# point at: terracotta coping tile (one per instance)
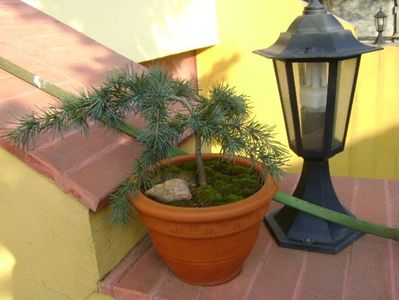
(36, 44)
(4, 74)
(88, 168)
(14, 34)
(18, 105)
(55, 159)
(12, 87)
(99, 176)
(13, 8)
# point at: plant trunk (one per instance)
(198, 159)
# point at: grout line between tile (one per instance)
(143, 246)
(347, 274)
(28, 25)
(94, 157)
(258, 268)
(137, 252)
(51, 67)
(392, 269)
(354, 203)
(158, 286)
(46, 35)
(355, 197)
(30, 91)
(389, 205)
(299, 282)
(202, 291)
(54, 139)
(34, 90)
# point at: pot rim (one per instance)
(200, 214)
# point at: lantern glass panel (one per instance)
(345, 85)
(280, 68)
(380, 23)
(311, 82)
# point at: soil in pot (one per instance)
(227, 182)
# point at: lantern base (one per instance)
(299, 230)
(380, 40)
(333, 247)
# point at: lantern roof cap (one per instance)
(380, 14)
(315, 35)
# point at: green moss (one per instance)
(169, 172)
(207, 196)
(233, 198)
(189, 166)
(211, 174)
(223, 186)
(246, 182)
(227, 182)
(189, 176)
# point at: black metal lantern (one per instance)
(316, 64)
(380, 21)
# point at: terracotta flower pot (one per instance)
(206, 246)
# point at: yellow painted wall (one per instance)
(51, 246)
(372, 149)
(244, 27)
(140, 30)
(373, 137)
(112, 243)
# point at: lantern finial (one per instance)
(314, 5)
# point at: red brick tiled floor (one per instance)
(368, 269)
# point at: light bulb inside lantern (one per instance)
(314, 86)
(313, 101)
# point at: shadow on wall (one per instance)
(182, 65)
(219, 69)
(170, 26)
(375, 157)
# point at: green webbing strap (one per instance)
(52, 89)
(33, 79)
(307, 207)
